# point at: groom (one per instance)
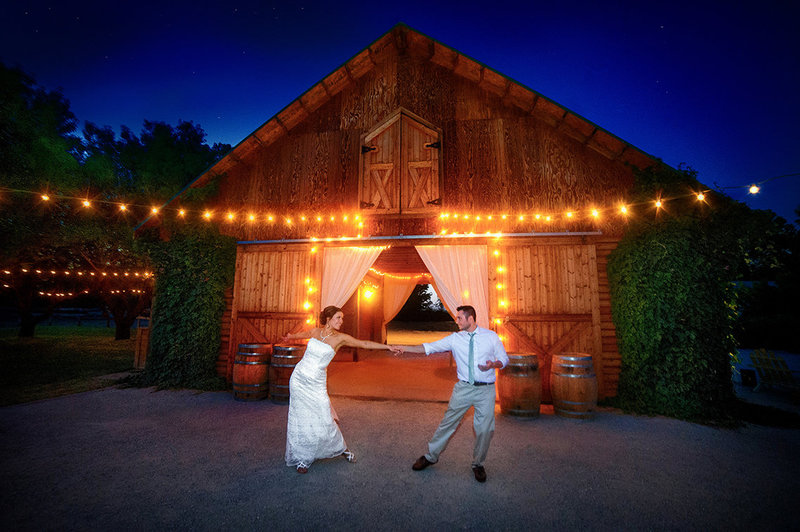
(477, 352)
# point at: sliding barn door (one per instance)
(276, 290)
(551, 304)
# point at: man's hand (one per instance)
(490, 364)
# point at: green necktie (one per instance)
(471, 357)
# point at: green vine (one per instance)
(193, 269)
(674, 308)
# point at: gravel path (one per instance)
(146, 460)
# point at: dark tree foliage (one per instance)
(420, 307)
(770, 291)
(40, 153)
(37, 145)
(36, 153)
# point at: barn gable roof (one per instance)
(405, 39)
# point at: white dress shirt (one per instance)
(486, 346)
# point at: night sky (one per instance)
(711, 84)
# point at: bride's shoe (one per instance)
(349, 456)
(302, 468)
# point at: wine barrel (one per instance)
(519, 386)
(284, 359)
(574, 385)
(251, 372)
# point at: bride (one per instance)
(312, 431)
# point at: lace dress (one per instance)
(311, 431)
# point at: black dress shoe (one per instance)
(480, 473)
(421, 463)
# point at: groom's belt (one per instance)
(479, 383)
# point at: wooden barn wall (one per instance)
(225, 335)
(556, 288)
(269, 296)
(557, 301)
(611, 358)
(495, 157)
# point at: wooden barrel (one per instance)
(284, 359)
(519, 386)
(573, 385)
(251, 371)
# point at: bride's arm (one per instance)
(363, 344)
(300, 335)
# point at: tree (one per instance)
(42, 154)
(420, 306)
(37, 152)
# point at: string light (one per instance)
(400, 277)
(65, 294)
(323, 218)
(115, 273)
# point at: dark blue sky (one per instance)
(710, 84)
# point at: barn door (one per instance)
(380, 175)
(551, 302)
(420, 165)
(400, 167)
(272, 294)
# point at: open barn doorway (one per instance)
(394, 303)
(422, 318)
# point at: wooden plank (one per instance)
(597, 338)
(571, 318)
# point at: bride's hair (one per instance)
(327, 313)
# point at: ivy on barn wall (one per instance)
(674, 304)
(193, 268)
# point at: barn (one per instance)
(413, 163)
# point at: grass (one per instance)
(59, 360)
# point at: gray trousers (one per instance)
(464, 396)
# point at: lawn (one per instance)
(59, 360)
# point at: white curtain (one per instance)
(342, 271)
(461, 277)
(395, 294)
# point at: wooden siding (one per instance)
(556, 300)
(225, 335)
(495, 157)
(270, 295)
(556, 289)
(611, 358)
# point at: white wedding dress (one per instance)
(311, 431)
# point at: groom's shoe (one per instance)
(480, 473)
(421, 463)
